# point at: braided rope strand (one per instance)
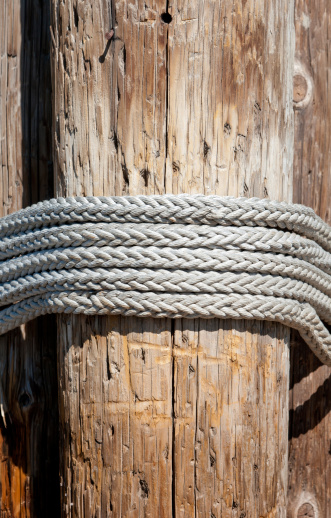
(169, 256)
(288, 312)
(173, 236)
(165, 258)
(186, 209)
(179, 281)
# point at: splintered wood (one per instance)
(193, 413)
(183, 418)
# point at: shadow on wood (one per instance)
(308, 415)
(29, 445)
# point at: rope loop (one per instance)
(169, 256)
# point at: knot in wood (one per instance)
(306, 510)
(300, 88)
(25, 400)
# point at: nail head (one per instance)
(109, 34)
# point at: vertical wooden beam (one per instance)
(28, 381)
(310, 395)
(229, 121)
(184, 418)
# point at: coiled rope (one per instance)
(169, 256)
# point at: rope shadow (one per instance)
(307, 416)
(304, 364)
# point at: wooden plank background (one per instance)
(29, 444)
(310, 395)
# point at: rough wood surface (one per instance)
(161, 418)
(28, 383)
(310, 396)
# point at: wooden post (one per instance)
(183, 418)
(28, 380)
(310, 395)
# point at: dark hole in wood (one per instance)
(144, 488)
(166, 17)
(206, 149)
(76, 18)
(125, 174)
(145, 174)
(24, 400)
(227, 128)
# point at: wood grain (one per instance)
(28, 443)
(229, 117)
(184, 418)
(310, 395)
(231, 453)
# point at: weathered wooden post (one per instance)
(159, 417)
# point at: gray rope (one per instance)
(192, 209)
(160, 235)
(180, 281)
(169, 256)
(164, 258)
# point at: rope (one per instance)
(169, 256)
